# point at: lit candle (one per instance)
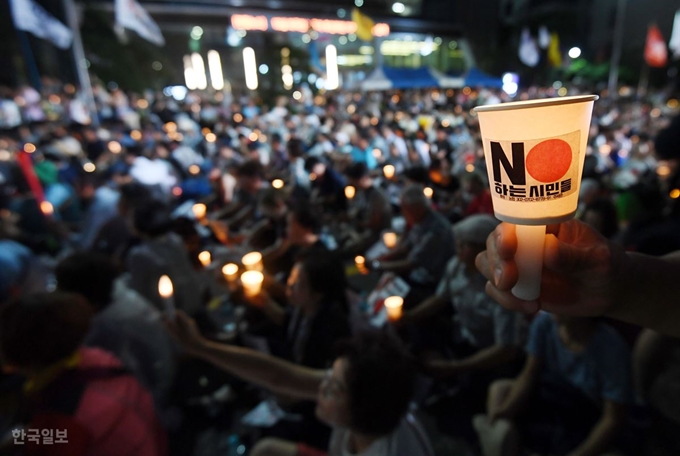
(394, 307)
(199, 211)
(165, 291)
(427, 191)
(350, 192)
(277, 183)
(47, 208)
(252, 261)
(388, 170)
(230, 272)
(205, 258)
(390, 240)
(252, 282)
(361, 264)
(536, 149)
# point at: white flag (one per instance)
(130, 14)
(674, 43)
(543, 37)
(528, 52)
(31, 17)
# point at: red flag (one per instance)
(656, 54)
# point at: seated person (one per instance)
(480, 196)
(302, 233)
(571, 398)
(317, 318)
(485, 335)
(116, 236)
(124, 323)
(328, 186)
(271, 228)
(364, 397)
(243, 208)
(161, 252)
(421, 255)
(84, 391)
(373, 210)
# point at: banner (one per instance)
(528, 51)
(543, 37)
(31, 17)
(554, 54)
(656, 54)
(674, 43)
(364, 25)
(130, 14)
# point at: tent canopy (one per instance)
(477, 78)
(385, 78)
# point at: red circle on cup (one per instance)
(549, 160)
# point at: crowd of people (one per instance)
(342, 199)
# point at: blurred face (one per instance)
(332, 404)
(296, 233)
(298, 291)
(363, 144)
(319, 169)
(278, 212)
(249, 184)
(467, 253)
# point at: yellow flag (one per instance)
(364, 25)
(554, 55)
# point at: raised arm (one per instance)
(267, 371)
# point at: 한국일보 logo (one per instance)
(535, 170)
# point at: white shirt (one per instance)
(408, 439)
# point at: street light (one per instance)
(398, 7)
(250, 67)
(215, 66)
(575, 52)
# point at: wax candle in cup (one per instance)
(199, 211)
(350, 192)
(427, 191)
(394, 307)
(277, 183)
(390, 239)
(166, 291)
(388, 171)
(252, 261)
(230, 272)
(535, 151)
(205, 258)
(252, 282)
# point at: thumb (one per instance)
(561, 257)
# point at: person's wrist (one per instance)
(624, 272)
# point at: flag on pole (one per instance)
(656, 54)
(543, 37)
(364, 25)
(528, 52)
(130, 14)
(554, 54)
(674, 43)
(31, 17)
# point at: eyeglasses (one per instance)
(330, 387)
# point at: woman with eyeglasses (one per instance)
(364, 398)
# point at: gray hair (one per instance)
(413, 197)
(475, 228)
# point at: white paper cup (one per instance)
(252, 282)
(252, 261)
(394, 305)
(534, 153)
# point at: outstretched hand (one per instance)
(185, 331)
(580, 270)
